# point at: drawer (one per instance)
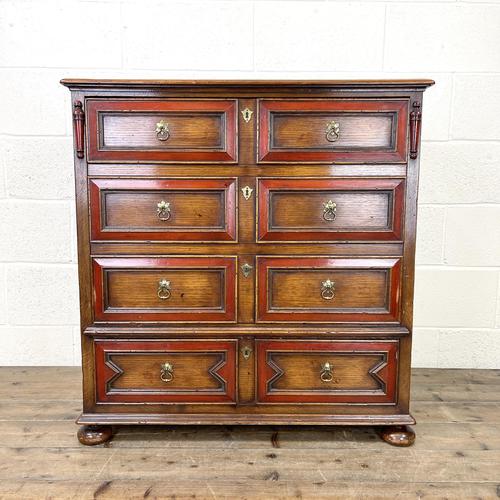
(163, 210)
(326, 131)
(330, 209)
(323, 289)
(182, 289)
(173, 371)
(166, 131)
(295, 371)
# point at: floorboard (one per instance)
(456, 454)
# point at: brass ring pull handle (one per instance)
(162, 131)
(332, 131)
(326, 374)
(167, 372)
(329, 211)
(328, 290)
(164, 292)
(163, 210)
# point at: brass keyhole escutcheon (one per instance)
(246, 269)
(247, 192)
(247, 114)
(246, 352)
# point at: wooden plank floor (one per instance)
(456, 455)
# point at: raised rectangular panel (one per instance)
(331, 130)
(161, 371)
(329, 209)
(163, 209)
(162, 130)
(180, 289)
(323, 289)
(303, 371)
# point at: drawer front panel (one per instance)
(184, 289)
(330, 209)
(326, 371)
(174, 371)
(322, 289)
(325, 131)
(163, 210)
(165, 131)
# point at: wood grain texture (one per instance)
(361, 372)
(211, 152)
(201, 289)
(119, 130)
(457, 456)
(141, 84)
(199, 210)
(295, 131)
(202, 371)
(365, 209)
(290, 289)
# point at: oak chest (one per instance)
(246, 251)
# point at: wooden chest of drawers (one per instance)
(246, 251)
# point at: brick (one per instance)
(187, 35)
(36, 345)
(469, 348)
(35, 231)
(3, 298)
(447, 37)
(476, 106)
(425, 347)
(318, 36)
(430, 233)
(37, 103)
(39, 294)
(49, 34)
(455, 297)
(77, 347)
(497, 322)
(30, 174)
(459, 172)
(436, 108)
(472, 236)
(3, 191)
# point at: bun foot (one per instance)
(91, 435)
(397, 435)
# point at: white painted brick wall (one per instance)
(457, 310)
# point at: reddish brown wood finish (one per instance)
(330, 187)
(226, 152)
(415, 129)
(248, 86)
(351, 383)
(397, 435)
(92, 435)
(144, 384)
(194, 230)
(395, 152)
(78, 128)
(211, 141)
(225, 312)
(328, 268)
